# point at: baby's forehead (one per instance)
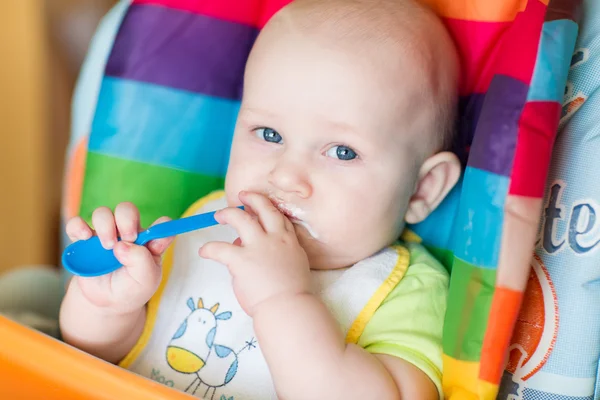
(355, 21)
(392, 33)
(401, 46)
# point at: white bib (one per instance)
(198, 339)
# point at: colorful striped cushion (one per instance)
(167, 99)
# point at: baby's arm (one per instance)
(100, 331)
(105, 315)
(301, 341)
(308, 358)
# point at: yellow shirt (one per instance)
(409, 322)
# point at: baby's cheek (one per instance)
(356, 231)
(381, 230)
(234, 184)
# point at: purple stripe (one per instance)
(469, 109)
(493, 148)
(182, 50)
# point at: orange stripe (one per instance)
(479, 10)
(502, 318)
(74, 179)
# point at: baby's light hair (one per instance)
(407, 24)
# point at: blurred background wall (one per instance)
(42, 45)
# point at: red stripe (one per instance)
(520, 44)
(249, 12)
(270, 7)
(489, 48)
(537, 131)
(477, 44)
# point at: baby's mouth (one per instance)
(293, 213)
(289, 214)
(289, 211)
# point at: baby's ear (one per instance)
(437, 176)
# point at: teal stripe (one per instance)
(163, 126)
(553, 61)
(437, 228)
(478, 230)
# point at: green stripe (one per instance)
(446, 257)
(469, 303)
(155, 190)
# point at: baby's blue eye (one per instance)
(343, 153)
(268, 135)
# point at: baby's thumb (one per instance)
(138, 262)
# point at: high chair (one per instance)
(138, 135)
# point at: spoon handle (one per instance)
(178, 226)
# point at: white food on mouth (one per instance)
(296, 213)
(310, 230)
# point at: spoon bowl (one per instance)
(88, 258)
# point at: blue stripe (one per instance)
(163, 126)
(481, 215)
(436, 230)
(553, 61)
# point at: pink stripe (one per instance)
(477, 43)
(537, 132)
(520, 44)
(249, 12)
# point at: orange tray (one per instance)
(35, 366)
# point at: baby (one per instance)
(348, 106)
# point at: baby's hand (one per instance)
(130, 287)
(267, 260)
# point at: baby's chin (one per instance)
(323, 260)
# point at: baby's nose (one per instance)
(291, 178)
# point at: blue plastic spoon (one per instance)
(88, 258)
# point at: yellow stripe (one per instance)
(487, 390)
(461, 381)
(382, 292)
(152, 308)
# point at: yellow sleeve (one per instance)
(409, 322)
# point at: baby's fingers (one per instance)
(78, 229)
(127, 218)
(157, 247)
(248, 228)
(271, 219)
(138, 262)
(104, 223)
(221, 252)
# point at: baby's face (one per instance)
(323, 134)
